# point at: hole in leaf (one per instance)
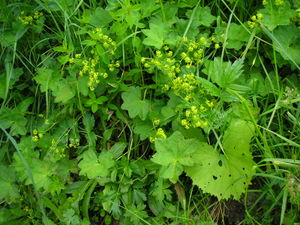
(243, 168)
(220, 163)
(229, 175)
(215, 177)
(244, 183)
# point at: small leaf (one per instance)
(237, 36)
(202, 16)
(94, 166)
(63, 91)
(173, 153)
(133, 103)
(100, 18)
(143, 128)
(118, 148)
(157, 33)
(224, 73)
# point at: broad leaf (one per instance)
(133, 103)
(237, 36)
(274, 16)
(223, 73)
(100, 18)
(173, 154)
(8, 189)
(94, 166)
(51, 80)
(229, 174)
(157, 33)
(143, 128)
(287, 42)
(202, 16)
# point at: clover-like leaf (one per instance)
(134, 104)
(229, 174)
(173, 154)
(94, 166)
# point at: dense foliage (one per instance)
(149, 112)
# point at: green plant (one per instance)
(149, 112)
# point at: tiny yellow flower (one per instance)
(152, 139)
(156, 122)
(160, 133)
(170, 53)
(209, 103)
(35, 138)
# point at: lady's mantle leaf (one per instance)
(157, 33)
(224, 73)
(93, 166)
(52, 80)
(202, 16)
(225, 175)
(174, 153)
(274, 16)
(133, 103)
(286, 41)
(8, 189)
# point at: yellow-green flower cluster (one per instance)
(56, 150)
(185, 86)
(190, 89)
(255, 19)
(74, 142)
(92, 66)
(194, 51)
(36, 135)
(160, 134)
(194, 116)
(89, 67)
(163, 61)
(107, 42)
(112, 66)
(156, 122)
(29, 20)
